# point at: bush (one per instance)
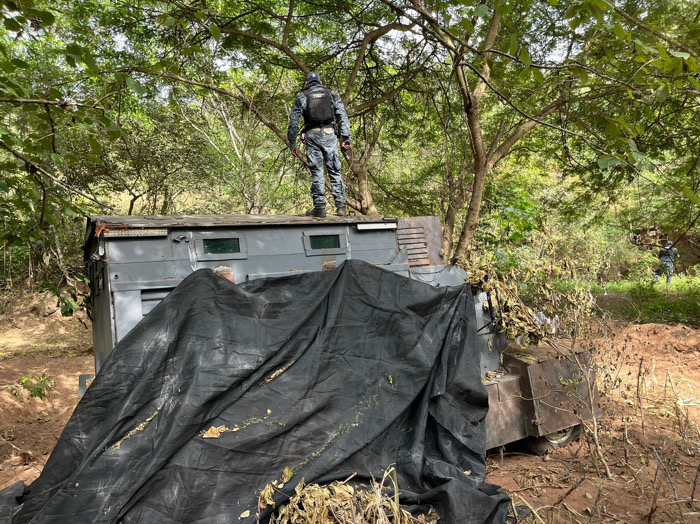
(37, 386)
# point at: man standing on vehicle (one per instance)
(324, 118)
(666, 260)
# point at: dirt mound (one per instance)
(660, 337)
(32, 323)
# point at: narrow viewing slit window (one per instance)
(324, 241)
(217, 246)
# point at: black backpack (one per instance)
(319, 107)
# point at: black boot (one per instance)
(341, 211)
(319, 212)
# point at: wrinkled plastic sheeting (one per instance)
(348, 370)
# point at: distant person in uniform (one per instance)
(324, 116)
(667, 256)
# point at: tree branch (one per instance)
(658, 34)
(280, 47)
(520, 132)
(238, 97)
(369, 38)
(488, 44)
(63, 104)
(288, 23)
(48, 175)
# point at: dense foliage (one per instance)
(553, 132)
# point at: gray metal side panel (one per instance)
(102, 324)
(128, 311)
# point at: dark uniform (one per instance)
(666, 262)
(322, 110)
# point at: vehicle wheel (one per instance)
(541, 445)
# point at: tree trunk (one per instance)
(448, 229)
(473, 212)
(365, 202)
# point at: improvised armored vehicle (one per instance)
(133, 262)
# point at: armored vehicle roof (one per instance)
(148, 221)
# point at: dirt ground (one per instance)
(36, 340)
(648, 434)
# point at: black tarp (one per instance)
(348, 370)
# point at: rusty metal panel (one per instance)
(556, 387)
(430, 230)
(505, 421)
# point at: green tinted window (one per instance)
(215, 246)
(325, 241)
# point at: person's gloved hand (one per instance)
(346, 142)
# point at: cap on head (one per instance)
(313, 77)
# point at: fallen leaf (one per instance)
(214, 432)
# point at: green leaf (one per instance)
(672, 64)
(679, 68)
(632, 144)
(662, 93)
(47, 18)
(12, 25)
(188, 51)
(680, 54)
(482, 11)
(114, 132)
(512, 44)
(620, 32)
(89, 61)
(135, 86)
(596, 11)
(75, 50)
(215, 32)
(612, 130)
(466, 25)
(525, 57)
(572, 11)
(537, 75)
(606, 162)
(639, 158)
(505, 9)
(94, 145)
(169, 22)
(57, 159)
(19, 63)
(693, 197)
